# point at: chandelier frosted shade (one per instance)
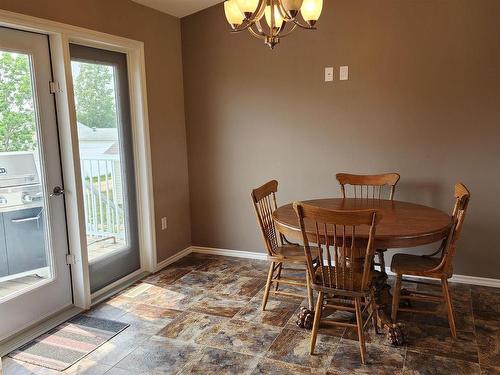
(278, 20)
(248, 6)
(292, 7)
(233, 13)
(281, 16)
(311, 10)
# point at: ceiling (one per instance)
(178, 8)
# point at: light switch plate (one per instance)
(344, 73)
(164, 223)
(329, 74)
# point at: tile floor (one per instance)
(196, 317)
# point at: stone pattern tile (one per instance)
(381, 359)
(202, 315)
(426, 364)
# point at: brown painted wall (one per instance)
(161, 36)
(423, 99)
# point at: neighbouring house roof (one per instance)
(96, 134)
(98, 143)
(114, 149)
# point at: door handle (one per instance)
(57, 191)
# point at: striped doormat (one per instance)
(68, 343)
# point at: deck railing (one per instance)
(103, 198)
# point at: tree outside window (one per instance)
(17, 114)
(95, 95)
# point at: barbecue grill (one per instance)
(20, 185)
(22, 222)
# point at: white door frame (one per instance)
(61, 35)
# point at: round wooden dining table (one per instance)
(403, 225)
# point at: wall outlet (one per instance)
(344, 73)
(329, 74)
(163, 223)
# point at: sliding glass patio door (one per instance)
(100, 83)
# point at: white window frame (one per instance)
(61, 35)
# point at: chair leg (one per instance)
(451, 317)
(268, 285)
(374, 312)
(395, 298)
(310, 298)
(278, 276)
(317, 319)
(361, 331)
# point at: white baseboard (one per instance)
(229, 253)
(462, 279)
(474, 280)
(173, 258)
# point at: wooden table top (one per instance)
(403, 224)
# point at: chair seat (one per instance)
(296, 253)
(408, 264)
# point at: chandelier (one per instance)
(281, 17)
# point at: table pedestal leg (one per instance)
(305, 318)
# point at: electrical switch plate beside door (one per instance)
(344, 73)
(329, 74)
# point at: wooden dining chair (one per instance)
(280, 251)
(378, 186)
(343, 276)
(438, 265)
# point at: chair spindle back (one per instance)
(342, 261)
(368, 186)
(462, 196)
(264, 201)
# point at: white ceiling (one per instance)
(178, 8)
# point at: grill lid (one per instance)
(17, 168)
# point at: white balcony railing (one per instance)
(103, 198)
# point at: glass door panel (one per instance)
(34, 277)
(24, 254)
(105, 143)
(100, 158)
